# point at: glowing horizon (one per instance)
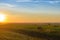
(31, 10)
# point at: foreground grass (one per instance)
(18, 31)
(10, 35)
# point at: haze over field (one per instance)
(31, 10)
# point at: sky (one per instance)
(31, 10)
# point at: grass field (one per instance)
(30, 31)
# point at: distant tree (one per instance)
(49, 24)
(39, 28)
(55, 25)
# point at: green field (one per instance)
(30, 31)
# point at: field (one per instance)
(30, 31)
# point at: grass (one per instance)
(30, 31)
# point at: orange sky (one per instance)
(14, 17)
(31, 12)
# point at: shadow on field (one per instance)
(39, 35)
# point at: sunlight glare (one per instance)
(2, 17)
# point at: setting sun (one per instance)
(2, 17)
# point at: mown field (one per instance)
(30, 31)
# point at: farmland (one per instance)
(30, 31)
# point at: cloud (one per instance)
(53, 2)
(23, 0)
(6, 5)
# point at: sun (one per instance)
(2, 17)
